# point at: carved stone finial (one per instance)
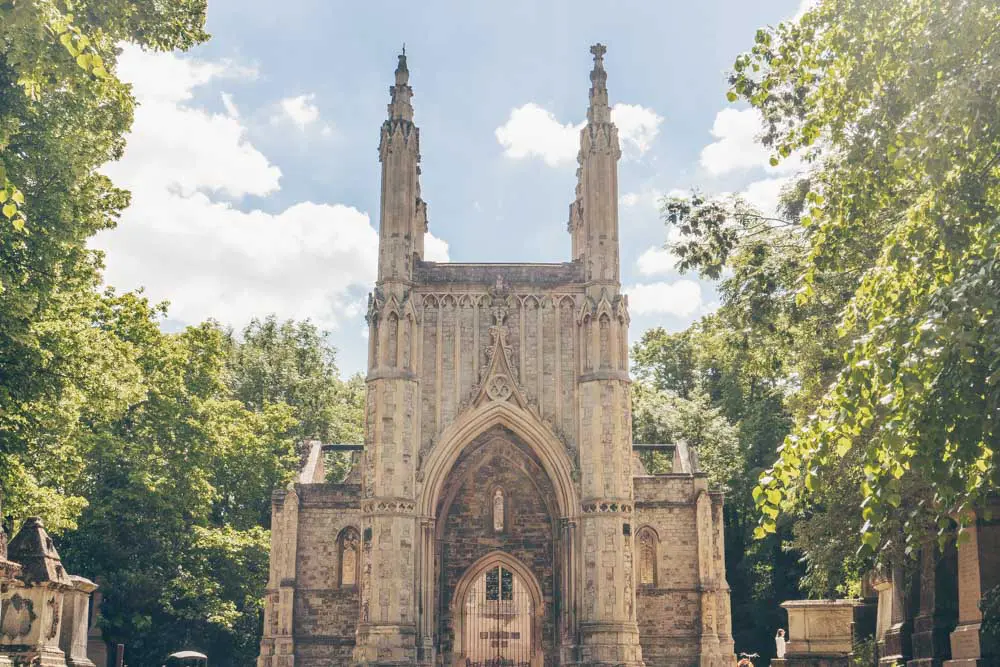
(599, 111)
(598, 50)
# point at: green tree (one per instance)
(293, 363)
(62, 115)
(897, 104)
(178, 490)
(666, 417)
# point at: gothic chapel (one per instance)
(499, 513)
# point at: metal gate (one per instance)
(498, 618)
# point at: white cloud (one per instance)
(230, 106)
(637, 126)
(630, 199)
(804, 7)
(680, 298)
(764, 194)
(185, 244)
(736, 147)
(656, 261)
(435, 249)
(532, 131)
(300, 110)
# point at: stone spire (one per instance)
(403, 213)
(598, 112)
(401, 93)
(594, 214)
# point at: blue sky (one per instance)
(255, 175)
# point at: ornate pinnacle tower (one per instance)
(386, 628)
(609, 634)
(594, 214)
(403, 219)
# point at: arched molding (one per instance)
(484, 454)
(478, 569)
(532, 432)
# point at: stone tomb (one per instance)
(43, 609)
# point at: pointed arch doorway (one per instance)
(498, 610)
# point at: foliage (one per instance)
(865, 653)
(62, 115)
(989, 633)
(293, 363)
(897, 101)
(178, 490)
(666, 417)
(734, 403)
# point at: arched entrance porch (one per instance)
(513, 462)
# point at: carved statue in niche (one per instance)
(349, 544)
(498, 517)
(647, 558)
(605, 333)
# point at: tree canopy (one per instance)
(897, 103)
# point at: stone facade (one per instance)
(498, 444)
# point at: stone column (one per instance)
(391, 534)
(387, 630)
(277, 644)
(937, 613)
(97, 648)
(73, 638)
(895, 647)
(609, 634)
(978, 572)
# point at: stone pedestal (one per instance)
(978, 572)
(73, 638)
(97, 648)
(819, 633)
(894, 647)
(937, 614)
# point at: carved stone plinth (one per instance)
(819, 633)
(73, 638)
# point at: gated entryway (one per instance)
(500, 619)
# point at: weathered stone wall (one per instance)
(467, 532)
(683, 615)
(454, 334)
(325, 614)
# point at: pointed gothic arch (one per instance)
(526, 576)
(523, 423)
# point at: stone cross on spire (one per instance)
(598, 111)
(399, 106)
(598, 50)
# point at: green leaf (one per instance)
(9, 210)
(17, 197)
(732, 96)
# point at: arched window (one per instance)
(498, 510)
(647, 541)
(348, 550)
